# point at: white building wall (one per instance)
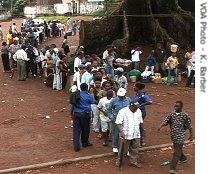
(85, 8)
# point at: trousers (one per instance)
(177, 156)
(81, 129)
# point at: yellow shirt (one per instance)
(172, 62)
(9, 39)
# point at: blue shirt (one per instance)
(87, 78)
(142, 98)
(151, 61)
(116, 105)
(85, 102)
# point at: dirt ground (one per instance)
(27, 136)
(150, 164)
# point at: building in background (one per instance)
(39, 7)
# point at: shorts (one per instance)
(104, 126)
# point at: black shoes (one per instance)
(87, 145)
(76, 150)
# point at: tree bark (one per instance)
(171, 25)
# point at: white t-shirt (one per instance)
(87, 78)
(192, 61)
(103, 105)
(77, 63)
(130, 122)
(135, 55)
(105, 54)
(14, 29)
(78, 79)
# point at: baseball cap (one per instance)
(121, 92)
(134, 102)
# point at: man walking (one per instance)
(81, 118)
(179, 122)
(21, 57)
(129, 120)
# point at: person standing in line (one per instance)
(109, 64)
(179, 122)
(87, 76)
(74, 28)
(120, 79)
(21, 57)
(1, 33)
(9, 38)
(109, 48)
(115, 106)
(78, 61)
(129, 122)
(136, 57)
(143, 99)
(14, 29)
(13, 48)
(81, 118)
(79, 76)
(94, 90)
(5, 57)
(103, 106)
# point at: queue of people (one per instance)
(98, 94)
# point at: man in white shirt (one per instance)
(87, 76)
(79, 76)
(77, 61)
(103, 106)
(14, 29)
(192, 69)
(129, 121)
(21, 57)
(106, 52)
(135, 57)
(1, 33)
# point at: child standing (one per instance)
(103, 106)
(150, 63)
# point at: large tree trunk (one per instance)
(145, 26)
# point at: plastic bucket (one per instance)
(133, 78)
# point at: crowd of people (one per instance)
(98, 86)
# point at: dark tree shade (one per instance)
(144, 27)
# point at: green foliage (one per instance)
(98, 13)
(19, 6)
